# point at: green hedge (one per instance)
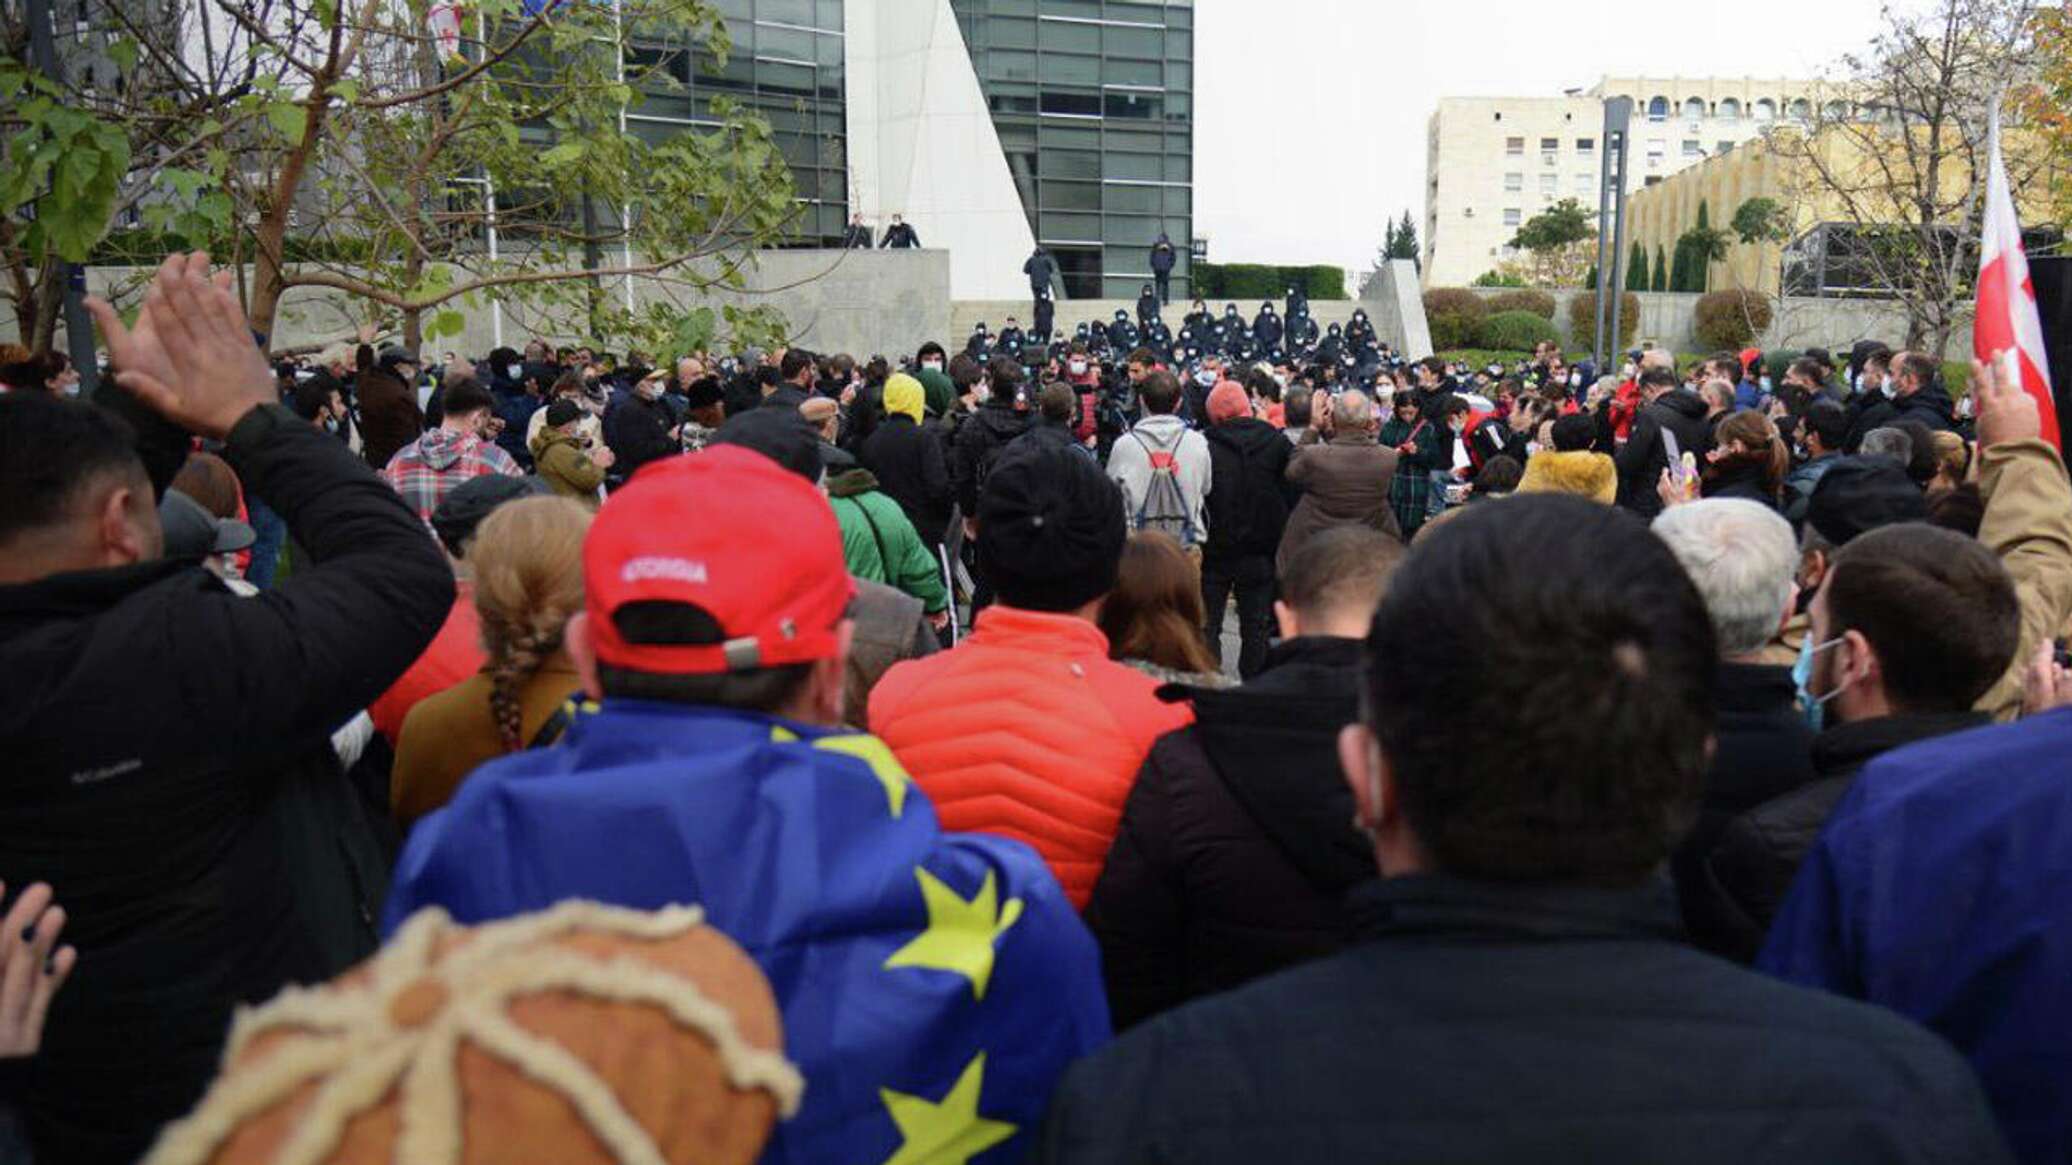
(1262, 281)
(1582, 318)
(1515, 330)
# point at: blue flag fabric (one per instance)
(933, 985)
(1941, 888)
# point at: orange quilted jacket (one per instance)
(1027, 730)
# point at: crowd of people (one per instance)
(786, 756)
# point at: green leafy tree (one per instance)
(343, 151)
(1762, 220)
(1556, 240)
(1637, 268)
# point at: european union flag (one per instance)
(933, 986)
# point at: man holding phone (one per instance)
(1671, 422)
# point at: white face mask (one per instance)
(1764, 383)
(1078, 367)
(1888, 391)
(932, 365)
(1575, 380)
(511, 371)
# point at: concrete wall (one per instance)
(1396, 306)
(1667, 319)
(863, 302)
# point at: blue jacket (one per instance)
(1942, 889)
(933, 985)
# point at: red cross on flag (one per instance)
(2007, 328)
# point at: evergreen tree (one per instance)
(1661, 280)
(1637, 268)
(1406, 237)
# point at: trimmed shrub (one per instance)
(1263, 281)
(1582, 318)
(1537, 302)
(1519, 330)
(1453, 314)
(1730, 320)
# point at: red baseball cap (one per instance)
(730, 532)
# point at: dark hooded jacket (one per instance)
(1678, 412)
(637, 429)
(1267, 328)
(979, 443)
(1248, 491)
(170, 772)
(908, 462)
(1237, 846)
(1931, 406)
(389, 416)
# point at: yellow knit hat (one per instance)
(904, 396)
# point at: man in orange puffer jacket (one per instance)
(1026, 729)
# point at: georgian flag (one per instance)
(444, 21)
(2008, 327)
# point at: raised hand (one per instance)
(2005, 412)
(32, 968)
(191, 357)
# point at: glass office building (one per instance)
(787, 65)
(1093, 102)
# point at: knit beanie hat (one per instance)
(1227, 401)
(1050, 529)
(940, 392)
(562, 411)
(583, 1034)
(904, 396)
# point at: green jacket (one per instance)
(879, 541)
(562, 464)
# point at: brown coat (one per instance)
(2028, 524)
(890, 628)
(1344, 482)
(449, 735)
(389, 416)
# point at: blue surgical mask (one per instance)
(1765, 383)
(1812, 707)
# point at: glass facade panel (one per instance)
(1112, 81)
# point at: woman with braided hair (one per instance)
(527, 562)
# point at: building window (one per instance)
(1548, 184)
(1513, 216)
(1766, 110)
(1693, 148)
(1514, 183)
(1723, 147)
(1514, 147)
(1549, 145)
(1653, 180)
(1802, 110)
(1657, 150)
(1658, 109)
(1586, 184)
(1694, 109)
(1729, 109)
(1586, 145)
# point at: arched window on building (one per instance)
(1658, 109)
(1765, 110)
(1694, 109)
(1801, 110)
(1729, 109)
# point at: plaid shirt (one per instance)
(429, 468)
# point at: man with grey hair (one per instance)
(1890, 443)
(1742, 557)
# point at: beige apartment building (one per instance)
(1493, 162)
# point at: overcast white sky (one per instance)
(1309, 119)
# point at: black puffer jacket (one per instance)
(1248, 479)
(1236, 846)
(1747, 873)
(1678, 412)
(1483, 1023)
(169, 772)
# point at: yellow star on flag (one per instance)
(945, 1132)
(884, 766)
(960, 934)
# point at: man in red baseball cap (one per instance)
(710, 772)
